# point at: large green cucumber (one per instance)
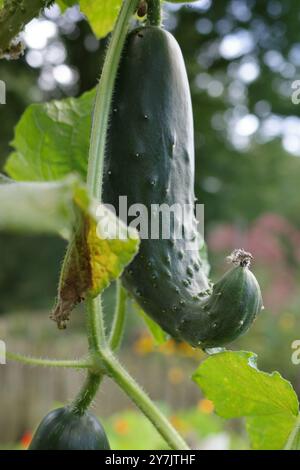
(62, 429)
(150, 159)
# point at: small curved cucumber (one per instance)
(225, 314)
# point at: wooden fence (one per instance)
(27, 393)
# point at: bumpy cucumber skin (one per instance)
(61, 429)
(150, 159)
(230, 310)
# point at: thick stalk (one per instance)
(94, 181)
(96, 341)
(143, 402)
(87, 394)
(104, 98)
(154, 12)
(117, 329)
(95, 324)
(13, 17)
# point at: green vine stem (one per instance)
(87, 393)
(143, 402)
(119, 317)
(95, 324)
(96, 340)
(96, 333)
(104, 98)
(154, 13)
(13, 16)
(35, 361)
(93, 380)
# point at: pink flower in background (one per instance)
(223, 238)
(278, 293)
(264, 246)
(273, 223)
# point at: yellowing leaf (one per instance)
(94, 259)
(109, 256)
(99, 248)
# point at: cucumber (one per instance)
(62, 429)
(150, 159)
(225, 314)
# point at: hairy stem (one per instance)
(104, 98)
(154, 12)
(94, 180)
(143, 402)
(95, 324)
(35, 361)
(119, 317)
(86, 394)
(13, 17)
(97, 341)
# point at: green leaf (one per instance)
(101, 15)
(238, 389)
(270, 432)
(159, 335)
(65, 4)
(52, 140)
(293, 442)
(100, 244)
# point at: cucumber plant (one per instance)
(151, 141)
(141, 146)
